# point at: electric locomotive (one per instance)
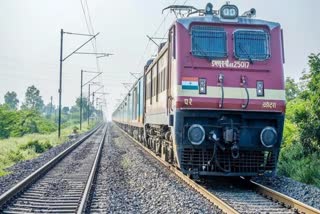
(212, 102)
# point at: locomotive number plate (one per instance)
(228, 64)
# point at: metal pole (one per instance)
(93, 101)
(101, 113)
(60, 83)
(88, 108)
(81, 99)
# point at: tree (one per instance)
(65, 110)
(84, 106)
(10, 98)
(48, 110)
(306, 108)
(292, 89)
(33, 100)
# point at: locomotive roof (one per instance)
(214, 19)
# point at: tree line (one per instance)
(33, 116)
(300, 154)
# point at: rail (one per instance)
(84, 200)
(19, 187)
(225, 207)
(291, 202)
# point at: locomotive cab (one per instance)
(229, 93)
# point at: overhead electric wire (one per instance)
(148, 43)
(95, 40)
(90, 28)
(90, 20)
(168, 29)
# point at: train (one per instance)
(212, 101)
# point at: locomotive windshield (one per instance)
(208, 42)
(211, 42)
(251, 45)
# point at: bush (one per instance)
(38, 147)
(19, 123)
(75, 129)
(295, 164)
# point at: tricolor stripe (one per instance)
(190, 83)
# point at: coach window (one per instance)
(148, 87)
(160, 81)
(135, 104)
(162, 69)
(157, 80)
(159, 76)
(154, 80)
(252, 45)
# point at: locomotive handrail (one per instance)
(244, 84)
(220, 80)
(244, 106)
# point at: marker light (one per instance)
(202, 86)
(229, 11)
(209, 9)
(260, 88)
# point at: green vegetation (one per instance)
(32, 130)
(11, 100)
(300, 154)
(16, 123)
(15, 149)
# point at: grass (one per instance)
(294, 163)
(16, 149)
(126, 163)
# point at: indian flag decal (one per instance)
(190, 83)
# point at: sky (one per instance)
(30, 40)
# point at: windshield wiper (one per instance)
(246, 52)
(204, 54)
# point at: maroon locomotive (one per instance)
(212, 102)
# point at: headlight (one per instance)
(196, 134)
(229, 11)
(268, 136)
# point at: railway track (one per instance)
(96, 202)
(63, 184)
(253, 198)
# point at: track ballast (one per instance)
(61, 187)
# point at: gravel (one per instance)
(130, 181)
(23, 169)
(61, 188)
(307, 194)
(133, 182)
